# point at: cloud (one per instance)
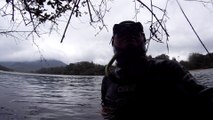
(82, 43)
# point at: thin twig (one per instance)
(31, 17)
(13, 31)
(199, 1)
(156, 30)
(136, 11)
(68, 22)
(154, 16)
(193, 28)
(13, 14)
(150, 35)
(90, 14)
(100, 16)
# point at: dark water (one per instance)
(49, 97)
(205, 76)
(58, 97)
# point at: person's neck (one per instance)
(131, 62)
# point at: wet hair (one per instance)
(128, 29)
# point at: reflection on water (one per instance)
(51, 97)
(58, 97)
(204, 76)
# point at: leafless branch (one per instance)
(202, 1)
(31, 17)
(193, 28)
(90, 14)
(154, 16)
(157, 28)
(28, 10)
(13, 31)
(68, 22)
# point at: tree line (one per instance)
(79, 68)
(195, 61)
(198, 61)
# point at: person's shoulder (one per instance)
(164, 63)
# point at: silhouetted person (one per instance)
(139, 87)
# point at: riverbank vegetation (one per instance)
(198, 61)
(195, 61)
(79, 68)
(4, 68)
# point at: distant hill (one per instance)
(4, 68)
(32, 66)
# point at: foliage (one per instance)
(162, 56)
(79, 68)
(53, 70)
(198, 61)
(195, 61)
(4, 68)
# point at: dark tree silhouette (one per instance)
(162, 56)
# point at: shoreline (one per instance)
(39, 74)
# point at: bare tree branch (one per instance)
(35, 12)
(90, 14)
(154, 16)
(193, 28)
(202, 1)
(157, 28)
(68, 22)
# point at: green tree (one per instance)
(162, 56)
(196, 60)
(185, 64)
(84, 68)
(79, 68)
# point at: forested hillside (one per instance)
(79, 68)
(195, 61)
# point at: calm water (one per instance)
(204, 76)
(58, 97)
(49, 97)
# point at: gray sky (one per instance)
(82, 44)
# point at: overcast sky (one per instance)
(82, 44)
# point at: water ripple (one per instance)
(50, 97)
(58, 97)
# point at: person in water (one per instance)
(139, 87)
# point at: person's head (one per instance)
(128, 40)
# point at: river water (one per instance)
(58, 97)
(49, 97)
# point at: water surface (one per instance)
(58, 97)
(49, 97)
